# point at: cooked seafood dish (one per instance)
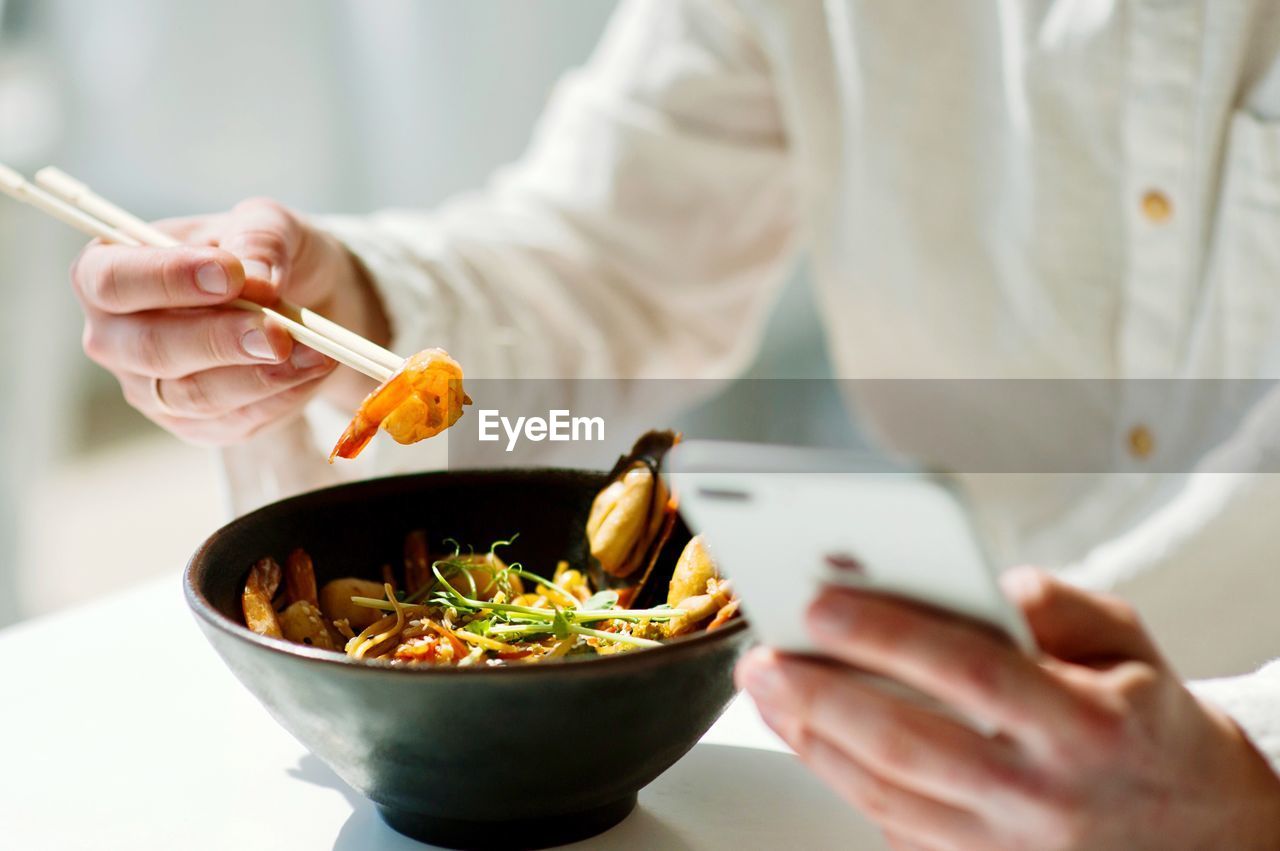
(421, 399)
(467, 608)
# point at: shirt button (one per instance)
(1156, 206)
(1141, 442)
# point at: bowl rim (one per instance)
(207, 613)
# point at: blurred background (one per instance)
(171, 108)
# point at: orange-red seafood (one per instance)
(300, 578)
(259, 589)
(421, 399)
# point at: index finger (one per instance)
(266, 237)
(958, 663)
(191, 230)
(125, 279)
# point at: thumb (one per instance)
(265, 236)
(1077, 625)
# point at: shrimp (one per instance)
(300, 579)
(421, 399)
(724, 615)
(259, 612)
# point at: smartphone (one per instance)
(785, 522)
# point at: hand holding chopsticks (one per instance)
(73, 203)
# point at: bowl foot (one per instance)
(529, 833)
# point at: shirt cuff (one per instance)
(275, 463)
(411, 296)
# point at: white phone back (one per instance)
(785, 522)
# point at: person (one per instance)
(1057, 190)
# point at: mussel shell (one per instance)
(651, 447)
(649, 450)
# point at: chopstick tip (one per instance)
(10, 179)
(57, 180)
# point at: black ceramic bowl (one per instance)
(511, 757)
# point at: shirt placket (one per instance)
(1164, 67)
(1164, 72)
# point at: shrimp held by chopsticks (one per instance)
(421, 399)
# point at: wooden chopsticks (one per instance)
(75, 204)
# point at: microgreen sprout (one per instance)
(498, 619)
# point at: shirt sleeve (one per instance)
(644, 234)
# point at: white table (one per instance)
(123, 730)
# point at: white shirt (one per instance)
(1085, 190)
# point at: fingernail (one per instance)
(257, 270)
(212, 278)
(254, 342)
(305, 357)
